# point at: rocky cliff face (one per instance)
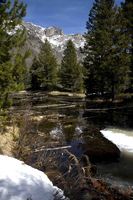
(37, 35)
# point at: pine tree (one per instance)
(35, 75)
(71, 73)
(106, 59)
(12, 66)
(44, 70)
(127, 8)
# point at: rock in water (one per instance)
(99, 148)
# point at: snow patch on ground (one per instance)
(122, 138)
(19, 181)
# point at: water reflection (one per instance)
(122, 118)
(66, 118)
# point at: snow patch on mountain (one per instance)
(54, 35)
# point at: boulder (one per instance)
(98, 148)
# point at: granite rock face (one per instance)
(52, 31)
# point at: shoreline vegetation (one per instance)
(119, 98)
(122, 101)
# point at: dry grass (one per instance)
(8, 140)
(70, 94)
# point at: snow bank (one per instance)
(122, 138)
(19, 181)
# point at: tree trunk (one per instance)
(113, 90)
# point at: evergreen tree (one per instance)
(71, 73)
(12, 66)
(44, 70)
(35, 75)
(127, 8)
(106, 59)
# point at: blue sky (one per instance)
(69, 15)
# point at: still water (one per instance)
(70, 117)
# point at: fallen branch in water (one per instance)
(52, 149)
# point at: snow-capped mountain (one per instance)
(37, 35)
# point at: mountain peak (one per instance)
(37, 35)
(53, 30)
(49, 31)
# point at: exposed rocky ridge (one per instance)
(37, 35)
